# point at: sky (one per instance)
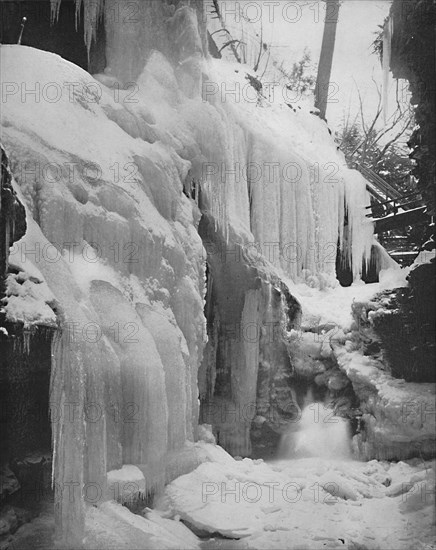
(291, 26)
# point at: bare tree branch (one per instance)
(256, 66)
(267, 63)
(392, 141)
(401, 118)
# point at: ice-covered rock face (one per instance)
(398, 416)
(245, 373)
(115, 240)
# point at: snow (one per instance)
(399, 416)
(28, 299)
(424, 257)
(183, 534)
(114, 526)
(213, 453)
(393, 278)
(120, 258)
(205, 433)
(283, 159)
(86, 267)
(274, 505)
(332, 306)
(226, 132)
(130, 258)
(127, 476)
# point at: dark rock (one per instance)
(12, 220)
(8, 521)
(401, 330)
(255, 82)
(9, 483)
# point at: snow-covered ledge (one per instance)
(398, 416)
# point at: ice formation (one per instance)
(102, 170)
(270, 175)
(276, 178)
(126, 279)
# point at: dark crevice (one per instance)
(25, 368)
(62, 37)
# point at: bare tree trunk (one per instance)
(326, 57)
(231, 42)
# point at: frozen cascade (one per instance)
(289, 200)
(129, 310)
(269, 176)
(273, 186)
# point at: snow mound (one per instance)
(113, 526)
(29, 300)
(128, 477)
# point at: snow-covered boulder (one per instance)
(398, 419)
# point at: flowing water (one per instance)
(318, 433)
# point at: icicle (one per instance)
(26, 341)
(387, 47)
(54, 10)
(360, 231)
(67, 385)
(93, 11)
(77, 16)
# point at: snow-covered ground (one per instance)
(301, 504)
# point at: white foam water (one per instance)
(318, 433)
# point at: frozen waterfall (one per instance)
(130, 258)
